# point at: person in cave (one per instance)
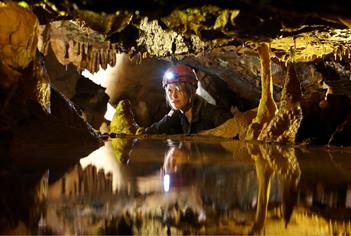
(190, 113)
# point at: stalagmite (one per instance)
(267, 107)
(285, 125)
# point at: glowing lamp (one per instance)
(166, 182)
(169, 76)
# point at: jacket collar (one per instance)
(196, 107)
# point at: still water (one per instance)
(162, 187)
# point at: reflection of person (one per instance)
(178, 179)
(190, 113)
(175, 157)
(175, 169)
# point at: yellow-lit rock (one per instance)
(285, 125)
(267, 107)
(123, 120)
(121, 148)
(235, 127)
(18, 35)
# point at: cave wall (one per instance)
(138, 81)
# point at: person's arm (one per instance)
(169, 124)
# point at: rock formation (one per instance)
(218, 40)
(34, 117)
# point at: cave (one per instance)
(79, 79)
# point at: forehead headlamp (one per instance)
(169, 75)
(179, 73)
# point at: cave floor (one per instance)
(134, 186)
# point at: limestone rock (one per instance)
(63, 77)
(92, 100)
(285, 124)
(18, 35)
(123, 120)
(62, 135)
(342, 134)
(235, 127)
(30, 85)
(335, 118)
(310, 127)
(81, 46)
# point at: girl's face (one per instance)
(177, 99)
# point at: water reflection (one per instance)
(131, 186)
(22, 201)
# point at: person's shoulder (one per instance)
(202, 102)
(173, 113)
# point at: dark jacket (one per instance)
(205, 116)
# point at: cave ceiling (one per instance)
(91, 32)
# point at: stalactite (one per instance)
(114, 58)
(109, 57)
(103, 58)
(96, 60)
(99, 55)
(82, 50)
(82, 64)
(90, 59)
(78, 48)
(93, 61)
(106, 58)
(72, 50)
(66, 50)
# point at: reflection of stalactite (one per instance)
(22, 201)
(80, 182)
(94, 181)
(264, 174)
(282, 162)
